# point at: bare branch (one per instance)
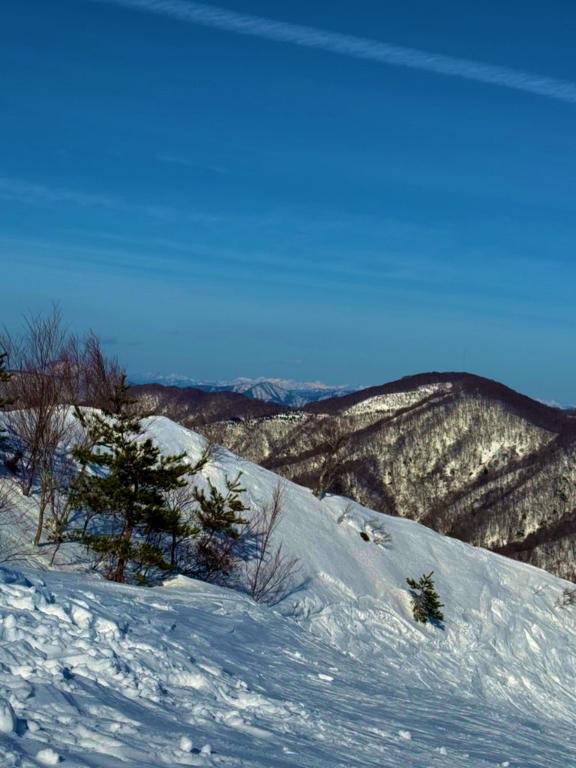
(270, 574)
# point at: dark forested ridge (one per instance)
(194, 407)
(463, 454)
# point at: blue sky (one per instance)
(216, 204)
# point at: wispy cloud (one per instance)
(179, 260)
(23, 191)
(30, 192)
(356, 47)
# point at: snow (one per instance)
(396, 401)
(48, 757)
(270, 389)
(7, 718)
(337, 675)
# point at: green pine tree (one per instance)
(219, 518)
(122, 486)
(426, 603)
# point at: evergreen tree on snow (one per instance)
(220, 522)
(426, 603)
(122, 487)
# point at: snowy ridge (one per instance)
(101, 675)
(396, 401)
(287, 392)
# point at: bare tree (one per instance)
(86, 375)
(37, 416)
(50, 370)
(40, 392)
(333, 441)
(270, 573)
(101, 375)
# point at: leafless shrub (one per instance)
(11, 549)
(269, 573)
(567, 598)
(346, 513)
(377, 533)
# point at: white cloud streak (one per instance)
(22, 191)
(30, 192)
(356, 47)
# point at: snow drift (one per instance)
(338, 674)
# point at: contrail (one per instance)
(357, 47)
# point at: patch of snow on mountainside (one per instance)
(396, 401)
(338, 675)
(287, 393)
(266, 391)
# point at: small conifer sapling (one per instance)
(426, 603)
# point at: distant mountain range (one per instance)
(465, 455)
(286, 392)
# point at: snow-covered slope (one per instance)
(338, 674)
(396, 401)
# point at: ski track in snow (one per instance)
(98, 675)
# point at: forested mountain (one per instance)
(462, 454)
(282, 392)
(194, 407)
